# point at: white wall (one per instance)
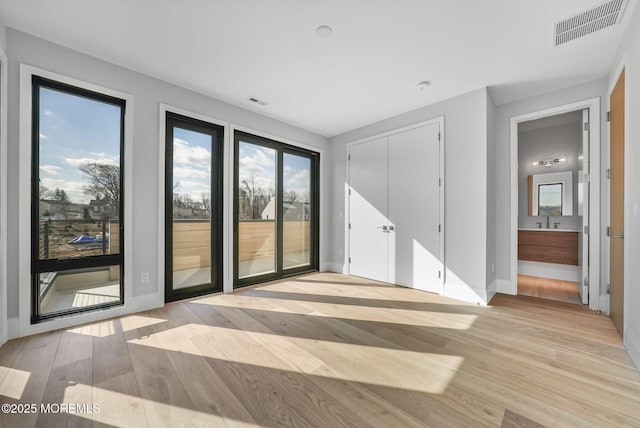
(630, 50)
(3, 35)
(465, 182)
(540, 143)
(147, 93)
(503, 158)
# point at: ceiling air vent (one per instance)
(257, 101)
(589, 21)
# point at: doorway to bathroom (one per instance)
(554, 155)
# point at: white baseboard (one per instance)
(334, 267)
(632, 344)
(504, 286)
(492, 289)
(549, 270)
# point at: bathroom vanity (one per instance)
(548, 245)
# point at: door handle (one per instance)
(621, 236)
(384, 228)
(392, 228)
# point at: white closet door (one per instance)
(414, 208)
(368, 210)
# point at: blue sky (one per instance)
(73, 131)
(259, 162)
(191, 163)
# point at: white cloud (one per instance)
(299, 182)
(100, 158)
(193, 184)
(43, 137)
(191, 172)
(185, 153)
(73, 189)
(257, 164)
(192, 188)
(50, 169)
(48, 113)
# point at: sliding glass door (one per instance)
(193, 217)
(275, 210)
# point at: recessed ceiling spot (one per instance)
(589, 21)
(324, 31)
(257, 101)
(423, 85)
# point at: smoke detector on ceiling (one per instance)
(589, 21)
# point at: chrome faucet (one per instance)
(547, 222)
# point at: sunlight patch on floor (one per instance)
(133, 322)
(118, 409)
(99, 329)
(352, 312)
(14, 382)
(402, 369)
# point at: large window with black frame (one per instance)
(275, 210)
(77, 225)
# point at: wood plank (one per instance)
(114, 380)
(27, 381)
(332, 350)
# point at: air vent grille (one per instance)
(257, 101)
(602, 16)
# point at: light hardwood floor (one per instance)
(550, 289)
(329, 350)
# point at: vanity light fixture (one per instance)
(548, 162)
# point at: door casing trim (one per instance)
(593, 104)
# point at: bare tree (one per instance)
(291, 196)
(206, 204)
(44, 193)
(251, 193)
(62, 198)
(104, 182)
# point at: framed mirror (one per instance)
(551, 194)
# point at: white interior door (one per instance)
(368, 237)
(414, 209)
(583, 210)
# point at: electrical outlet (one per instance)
(144, 278)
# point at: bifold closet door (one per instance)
(414, 209)
(368, 210)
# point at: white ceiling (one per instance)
(365, 72)
(551, 121)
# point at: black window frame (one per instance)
(314, 214)
(61, 265)
(216, 194)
